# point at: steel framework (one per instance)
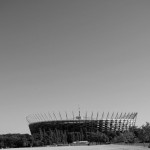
(103, 123)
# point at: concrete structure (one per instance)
(118, 122)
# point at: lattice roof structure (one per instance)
(74, 123)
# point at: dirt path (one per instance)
(95, 147)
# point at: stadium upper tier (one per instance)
(64, 122)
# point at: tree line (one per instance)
(15, 140)
(56, 137)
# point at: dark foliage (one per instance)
(60, 137)
(15, 140)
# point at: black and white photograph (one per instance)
(75, 74)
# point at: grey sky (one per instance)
(56, 54)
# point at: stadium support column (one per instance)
(103, 123)
(120, 122)
(85, 131)
(135, 118)
(67, 121)
(60, 116)
(127, 121)
(130, 120)
(111, 122)
(107, 123)
(116, 122)
(123, 122)
(97, 122)
(73, 122)
(92, 121)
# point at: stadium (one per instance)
(77, 127)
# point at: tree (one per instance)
(144, 133)
(129, 137)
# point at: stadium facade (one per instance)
(48, 123)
